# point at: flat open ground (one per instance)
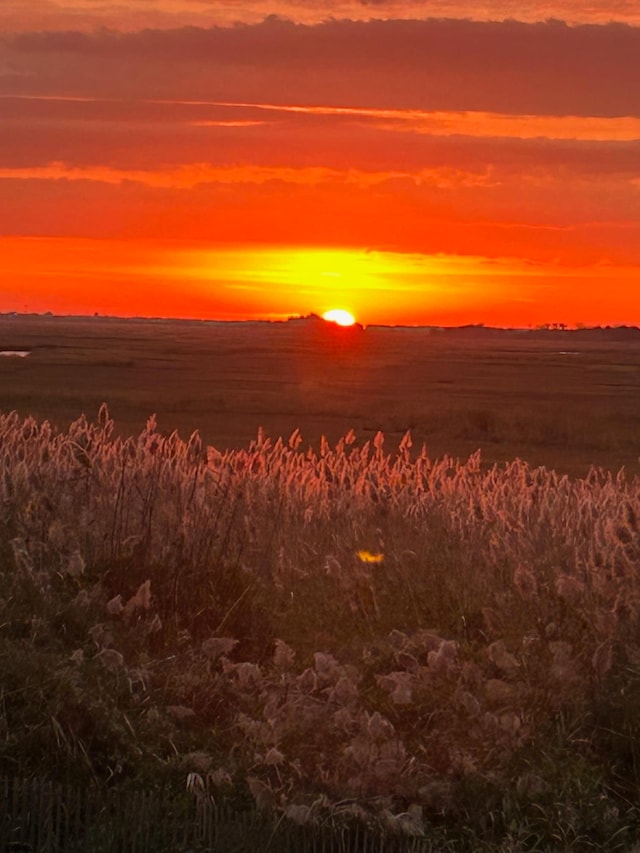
(556, 399)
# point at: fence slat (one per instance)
(4, 817)
(37, 816)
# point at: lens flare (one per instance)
(368, 557)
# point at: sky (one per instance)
(437, 162)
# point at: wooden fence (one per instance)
(42, 817)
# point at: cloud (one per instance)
(504, 67)
(149, 135)
(188, 176)
(140, 14)
(472, 123)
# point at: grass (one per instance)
(168, 609)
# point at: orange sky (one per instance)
(412, 162)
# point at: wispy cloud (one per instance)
(193, 175)
(475, 123)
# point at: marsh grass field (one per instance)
(438, 644)
(567, 400)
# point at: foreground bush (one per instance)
(347, 632)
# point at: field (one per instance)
(350, 630)
(554, 399)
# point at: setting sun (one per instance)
(339, 316)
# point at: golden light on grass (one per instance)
(339, 316)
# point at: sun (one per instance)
(339, 316)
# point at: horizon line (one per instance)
(545, 327)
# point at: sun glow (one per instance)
(339, 316)
(246, 282)
(310, 279)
